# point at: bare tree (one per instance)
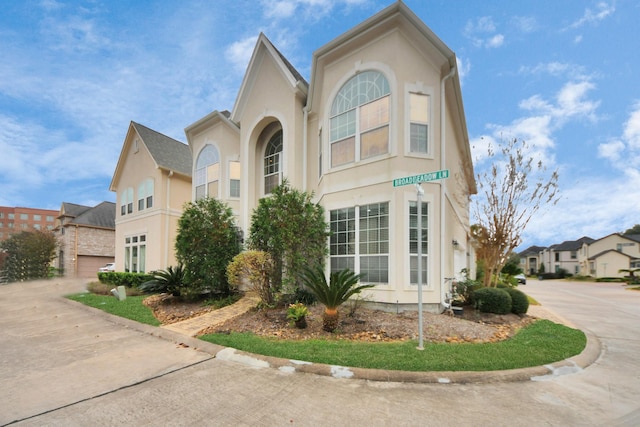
(509, 194)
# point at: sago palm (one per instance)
(342, 285)
(169, 281)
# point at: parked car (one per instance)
(521, 278)
(108, 267)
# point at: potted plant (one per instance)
(297, 315)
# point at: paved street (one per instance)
(63, 364)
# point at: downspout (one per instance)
(305, 117)
(167, 220)
(75, 251)
(443, 290)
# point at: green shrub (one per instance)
(168, 281)
(492, 300)
(254, 268)
(130, 280)
(519, 301)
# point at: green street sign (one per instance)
(425, 177)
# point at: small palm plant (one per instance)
(165, 281)
(342, 285)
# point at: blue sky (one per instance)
(561, 75)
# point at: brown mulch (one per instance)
(361, 324)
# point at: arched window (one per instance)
(272, 163)
(207, 172)
(359, 120)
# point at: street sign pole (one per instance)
(417, 180)
(420, 192)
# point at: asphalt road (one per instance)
(63, 364)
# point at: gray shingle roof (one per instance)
(573, 245)
(102, 215)
(167, 152)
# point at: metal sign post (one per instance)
(420, 192)
(417, 180)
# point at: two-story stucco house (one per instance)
(383, 102)
(152, 181)
(606, 256)
(564, 256)
(530, 259)
(86, 236)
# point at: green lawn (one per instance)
(540, 343)
(131, 308)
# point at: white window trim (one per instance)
(410, 196)
(195, 169)
(420, 89)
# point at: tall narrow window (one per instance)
(272, 163)
(234, 179)
(126, 201)
(320, 153)
(145, 194)
(207, 172)
(359, 122)
(413, 241)
(419, 123)
(135, 252)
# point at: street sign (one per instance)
(425, 177)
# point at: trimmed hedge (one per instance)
(519, 301)
(492, 300)
(129, 280)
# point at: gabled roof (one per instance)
(599, 254)
(167, 152)
(532, 250)
(209, 120)
(72, 210)
(632, 237)
(102, 215)
(573, 245)
(264, 46)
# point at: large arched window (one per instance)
(207, 172)
(272, 163)
(359, 121)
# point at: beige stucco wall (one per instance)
(158, 223)
(226, 139)
(608, 264)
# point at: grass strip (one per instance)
(131, 308)
(540, 343)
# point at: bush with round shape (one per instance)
(519, 301)
(492, 300)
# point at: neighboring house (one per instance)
(16, 219)
(87, 238)
(606, 256)
(530, 259)
(384, 102)
(564, 256)
(152, 181)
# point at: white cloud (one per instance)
(307, 9)
(239, 53)
(481, 32)
(631, 132)
(611, 150)
(525, 24)
(603, 10)
(464, 67)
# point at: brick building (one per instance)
(16, 219)
(87, 238)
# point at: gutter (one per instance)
(443, 291)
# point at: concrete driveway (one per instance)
(63, 364)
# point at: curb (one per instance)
(590, 354)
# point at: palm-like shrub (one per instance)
(168, 281)
(342, 285)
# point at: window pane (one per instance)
(200, 193)
(419, 108)
(374, 114)
(213, 189)
(374, 143)
(234, 170)
(343, 152)
(234, 188)
(419, 138)
(213, 172)
(143, 250)
(343, 125)
(149, 202)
